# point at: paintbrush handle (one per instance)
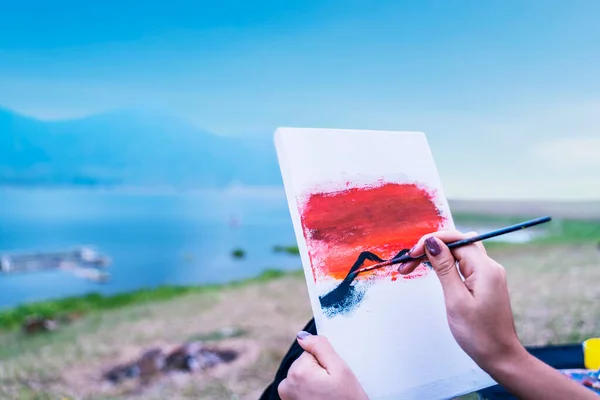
(499, 232)
(478, 238)
(460, 243)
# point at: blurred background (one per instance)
(143, 223)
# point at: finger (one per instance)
(408, 267)
(444, 264)
(419, 248)
(295, 374)
(479, 244)
(321, 349)
(295, 371)
(445, 236)
(304, 362)
(284, 390)
(469, 256)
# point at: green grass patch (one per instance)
(14, 317)
(218, 335)
(571, 231)
(553, 232)
(292, 250)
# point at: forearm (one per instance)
(528, 378)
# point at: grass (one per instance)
(571, 231)
(556, 231)
(13, 318)
(292, 250)
(217, 335)
(260, 315)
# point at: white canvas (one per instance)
(355, 194)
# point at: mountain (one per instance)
(129, 148)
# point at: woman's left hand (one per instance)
(319, 374)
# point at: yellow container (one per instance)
(591, 353)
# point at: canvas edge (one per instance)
(442, 192)
(298, 231)
(309, 129)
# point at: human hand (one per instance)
(319, 374)
(478, 308)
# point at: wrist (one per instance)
(510, 363)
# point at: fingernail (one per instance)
(432, 246)
(303, 335)
(401, 267)
(411, 250)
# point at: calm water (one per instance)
(152, 238)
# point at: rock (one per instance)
(184, 358)
(34, 325)
(194, 356)
(122, 372)
(148, 366)
(151, 363)
(209, 358)
(189, 357)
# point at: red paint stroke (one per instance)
(382, 219)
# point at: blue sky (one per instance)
(510, 84)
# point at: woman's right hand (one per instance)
(481, 319)
(478, 308)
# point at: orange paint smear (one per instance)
(382, 219)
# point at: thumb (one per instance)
(321, 349)
(444, 264)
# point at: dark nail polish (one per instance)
(401, 267)
(432, 246)
(303, 335)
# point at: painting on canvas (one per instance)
(358, 198)
(358, 225)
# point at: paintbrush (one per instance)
(459, 243)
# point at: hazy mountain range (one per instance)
(129, 148)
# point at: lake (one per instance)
(152, 238)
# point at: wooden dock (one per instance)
(82, 261)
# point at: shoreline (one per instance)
(13, 317)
